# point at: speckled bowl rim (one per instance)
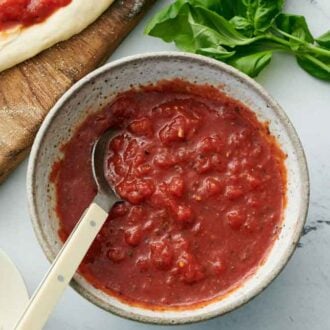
(285, 121)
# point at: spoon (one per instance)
(76, 246)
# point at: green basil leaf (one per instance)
(243, 25)
(259, 13)
(231, 8)
(296, 26)
(262, 13)
(170, 22)
(251, 63)
(324, 40)
(317, 67)
(192, 28)
(205, 37)
(219, 53)
(227, 35)
(260, 46)
(225, 8)
(172, 25)
(173, 11)
(243, 33)
(214, 5)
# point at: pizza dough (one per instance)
(21, 43)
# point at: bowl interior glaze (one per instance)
(99, 88)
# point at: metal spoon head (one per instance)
(106, 195)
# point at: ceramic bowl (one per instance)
(99, 88)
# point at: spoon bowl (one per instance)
(106, 196)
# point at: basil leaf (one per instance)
(243, 25)
(324, 40)
(251, 63)
(231, 8)
(176, 14)
(228, 35)
(169, 23)
(225, 8)
(262, 13)
(317, 67)
(172, 12)
(172, 25)
(295, 30)
(219, 6)
(295, 25)
(219, 53)
(243, 33)
(205, 37)
(260, 46)
(192, 28)
(214, 5)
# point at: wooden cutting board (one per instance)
(29, 90)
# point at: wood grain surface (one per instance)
(29, 90)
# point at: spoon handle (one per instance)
(63, 268)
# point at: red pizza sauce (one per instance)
(27, 12)
(204, 189)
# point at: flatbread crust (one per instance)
(21, 43)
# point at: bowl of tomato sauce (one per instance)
(212, 176)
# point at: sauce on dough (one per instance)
(27, 12)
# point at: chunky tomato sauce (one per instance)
(27, 12)
(204, 189)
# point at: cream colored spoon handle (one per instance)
(62, 270)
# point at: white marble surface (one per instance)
(299, 298)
